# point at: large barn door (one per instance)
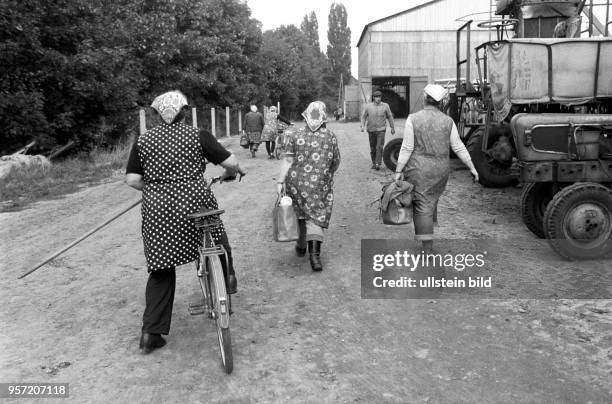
(417, 85)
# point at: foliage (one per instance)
(310, 28)
(80, 69)
(339, 47)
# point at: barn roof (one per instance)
(368, 25)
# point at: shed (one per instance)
(401, 53)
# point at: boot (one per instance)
(300, 251)
(300, 246)
(232, 284)
(314, 248)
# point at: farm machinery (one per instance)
(540, 113)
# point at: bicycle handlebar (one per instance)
(220, 180)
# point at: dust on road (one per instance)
(298, 336)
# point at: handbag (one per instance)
(244, 140)
(284, 222)
(392, 211)
(396, 214)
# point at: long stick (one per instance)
(80, 239)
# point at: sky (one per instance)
(274, 13)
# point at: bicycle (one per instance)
(216, 303)
(279, 141)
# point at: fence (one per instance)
(221, 122)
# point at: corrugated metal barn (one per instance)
(401, 53)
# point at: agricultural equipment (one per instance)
(546, 98)
(540, 113)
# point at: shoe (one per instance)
(373, 166)
(150, 342)
(377, 167)
(253, 153)
(232, 284)
(300, 251)
(314, 249)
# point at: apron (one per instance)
(173, 166)
(429, 166)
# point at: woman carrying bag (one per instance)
(307, 174)
(425, 156)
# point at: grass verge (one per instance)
(24, 186)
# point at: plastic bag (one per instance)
(284, 220)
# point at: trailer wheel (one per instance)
(491, 173)
(578, 221)
(534, 199)
(391, 153)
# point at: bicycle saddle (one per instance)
(205, 213)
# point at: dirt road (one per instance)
(298, 336)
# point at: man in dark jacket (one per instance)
(253, 125)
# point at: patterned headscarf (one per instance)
(169, 104)
(315, 115)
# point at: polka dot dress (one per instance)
(172, 160)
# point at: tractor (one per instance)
(540, 113)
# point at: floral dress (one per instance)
(270, 128)
(310, 179)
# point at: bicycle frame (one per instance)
(205, 273)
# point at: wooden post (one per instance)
(143, 121)
(194, 118)
(278, 107)
(239, 121)
(227, 121)
(213, 128)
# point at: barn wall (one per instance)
(430, 53)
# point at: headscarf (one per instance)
(435, 91)
(315, 115)
(169, 104)
(253, 108)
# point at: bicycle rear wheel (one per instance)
(220, 301)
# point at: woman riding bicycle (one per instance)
(167, 163)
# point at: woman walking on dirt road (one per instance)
(167, 164)
(253, 125)
(307, 175)
(270, 130)
(428, 134)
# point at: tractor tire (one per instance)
(534, 200)
(391, 153)
(578, 221)
(490, 174)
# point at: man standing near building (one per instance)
(376, 114)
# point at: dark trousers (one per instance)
(377, 140)
(270, 145)
(159, 298)
(159, 293)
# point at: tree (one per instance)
(80, 69)
(310, 28)
(339, 47)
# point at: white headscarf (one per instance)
(435, 91)
(169, 104)
(253, 108)
(315, 115)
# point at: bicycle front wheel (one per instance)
(220, 300)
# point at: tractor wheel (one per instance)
(578, 221)
(491, 173)
(534, 200)
(391, 153)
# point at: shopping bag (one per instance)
(396, 214)
(244, 141)
(396, 203)
(284, 222)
